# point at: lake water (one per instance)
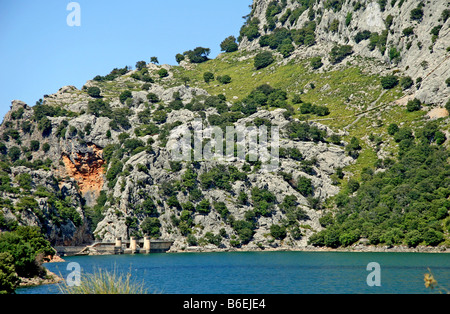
(267, 272)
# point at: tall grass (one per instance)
(105, 282)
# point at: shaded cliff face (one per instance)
(410, 38)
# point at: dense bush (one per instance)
(363, 35)
(263, 59)
(250, 30)
(124, 96)
(94, 91)
(306, 108)
(198, 55)
(208, 77)
(416, 14)
(389, 81)
(406, 82)
(23, 248)
(338, 53)
(151, 227)
(302, 131)
(229, 44)
(316, 62)
(224, 79)
(413, 105)
(163, 73)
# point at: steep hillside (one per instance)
(407, 36)
(360, 160)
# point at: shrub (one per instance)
(124, 96)
(204, 207)
(304, 186)
(263, 59)
(392, 129)
(198, 55)
(413, 105)
(208, 77)
(46, 147)
(9, 280)
(447, 81)
(14, 153)
(94, 91)
(406, 82)
(225, 79)
(388, 82)
(163, 73)
(34, 146)
(179, 57)
(278, 232)
(316, 62)
(229, 44)
(152, 98)
(408, 31)
(338, 53)
(360, 36)
(416, 14)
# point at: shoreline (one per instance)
(356, 249)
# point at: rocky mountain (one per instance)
(350, 85)
(411, 37)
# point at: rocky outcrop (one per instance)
(86, 167)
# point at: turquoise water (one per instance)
(267, 272)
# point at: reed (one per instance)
(105, 282)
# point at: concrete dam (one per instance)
(131, 246)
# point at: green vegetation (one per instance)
(263, 59)
(21, 254)
(338, 53)
(229, 44)
(104, 282)
(406, 204)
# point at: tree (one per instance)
(417, 14)
(163, 73)
(141, 65)
(225, 79)
(124, 96)
(413, 105)
(198, 55)
(9, 280)
(388, 82)
(304, 186)
(229, 44)
(208, 77)
(94, 91)
(316, 62)
(278, 232)
(14, 153)
(179, 57)
(338, 53)
(154, 60)
(263, 59)
(406, 82)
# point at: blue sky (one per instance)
(40, 53)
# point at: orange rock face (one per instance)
(86, 169)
